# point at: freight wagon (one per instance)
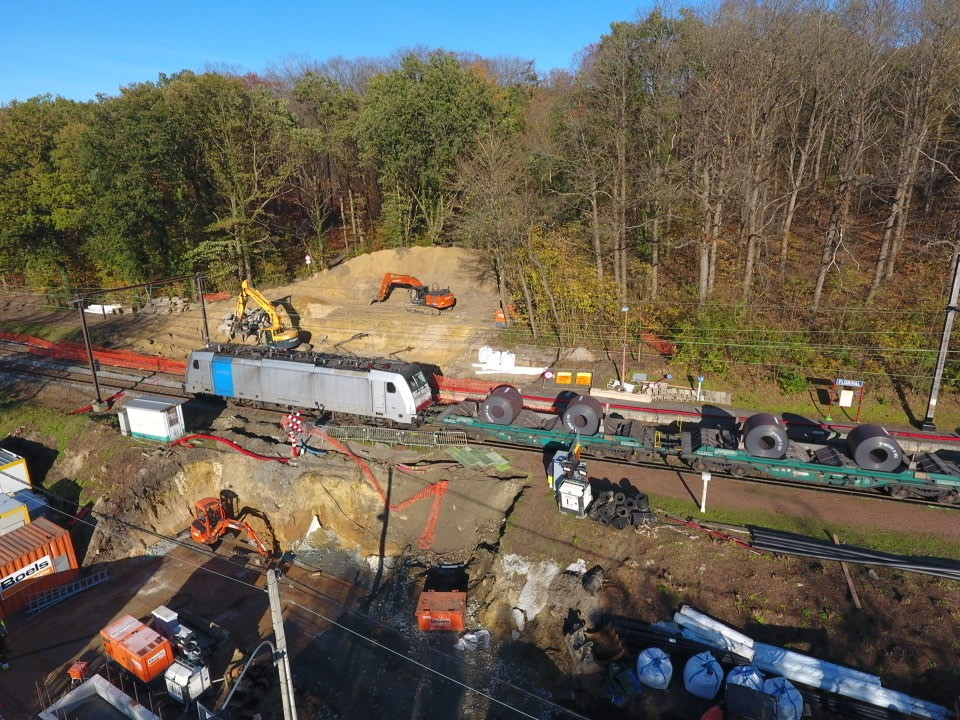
(868, 459)
(373, 390)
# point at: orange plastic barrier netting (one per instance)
(457, 389)
(437, 491)
(117, 358)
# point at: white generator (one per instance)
(186, 680)
(571, 484)
(152, 418)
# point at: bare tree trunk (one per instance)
(703, 285)
(353, 217)
(595, 224)
(528, 300)
(832, 239)
(714, 241)
(542, 274)
(343, 227)
(655, 255)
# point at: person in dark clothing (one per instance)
(4, 665)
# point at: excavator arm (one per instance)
(241, 526)
(278, 333)
(391, 281)
(211, 522)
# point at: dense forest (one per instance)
(772, 185)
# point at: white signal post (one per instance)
(705, 476)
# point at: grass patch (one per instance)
(49, 332)
(916, 543)
(65, 428)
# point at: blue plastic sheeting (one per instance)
(654, 668)
(789, 699)
(702, 676)
(745, 675)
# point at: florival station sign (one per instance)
(43, 566)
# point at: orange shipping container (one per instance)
(34, 558)
(136, 647)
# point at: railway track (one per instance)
(13, 360)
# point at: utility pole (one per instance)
(927, 423)
(198, 279)
(281, 657)
(98, 405)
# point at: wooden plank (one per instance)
(846, 574)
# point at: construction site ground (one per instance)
(350, 595)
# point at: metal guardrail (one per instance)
(393, 436)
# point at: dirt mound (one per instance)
(461, 271)
(334, 309)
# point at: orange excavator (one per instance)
(211, 521)
(422, 297)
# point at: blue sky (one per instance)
(78, 49)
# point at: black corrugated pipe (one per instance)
(791, 544)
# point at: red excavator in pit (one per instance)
(422, 297)
(211, 522)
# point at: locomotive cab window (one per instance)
(391, 388)
(196, 364)
(417, 380)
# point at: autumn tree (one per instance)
(416, 124)
(243, 134)
(39, 238)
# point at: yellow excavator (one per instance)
(265, 324)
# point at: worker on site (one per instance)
(4, 665)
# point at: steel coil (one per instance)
(502, 405)
(765, 435)
(872, 448)
(583, 415)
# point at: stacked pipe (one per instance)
(621, 509)
(637, 635)
(791, 544)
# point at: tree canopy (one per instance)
(774, 173)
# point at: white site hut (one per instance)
(153, 418)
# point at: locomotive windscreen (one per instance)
(416, 379)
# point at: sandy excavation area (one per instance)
(334, 307)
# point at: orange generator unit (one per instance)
(139, 649)
(443, 603)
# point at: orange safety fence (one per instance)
(664, 347)
(116, 358)
(454, 390)
(437, 490)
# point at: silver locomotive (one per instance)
(377, 390)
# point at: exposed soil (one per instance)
(503, 523)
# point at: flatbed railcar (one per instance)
(704, 446)
(372, 389)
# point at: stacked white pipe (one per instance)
(804, 669)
